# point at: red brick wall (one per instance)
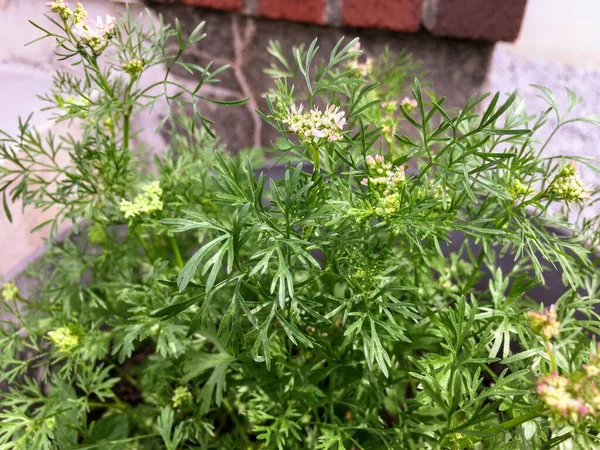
(474, 19)
(231, 5)
(297, 11)
(401, 15)
(492, 20)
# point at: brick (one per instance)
(230, 5)
(399, 15)
(312, 11)
(475, 19)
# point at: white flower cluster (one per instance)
(574, 396)
(147, 202)
(315, 126)
(557, 393)
(567, 185)
(386, 180)
(96, 38)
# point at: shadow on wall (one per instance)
(456, 68)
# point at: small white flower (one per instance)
(318, 133)
(108, 27)
(95, 38)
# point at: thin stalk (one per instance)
(315, 156)
(551, 355)
(176, 252)
(234, 417)
(126, 118)
(147, 249)
(475, 271)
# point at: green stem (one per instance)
(147, 250)
(175, 249)
(475, 271)
(103, 444)
(315, 156)
(126, 132)
(551, 355)
(122, 373)
(126, 118)
(234, 417)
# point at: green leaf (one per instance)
(188, 271)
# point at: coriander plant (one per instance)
(348, 294)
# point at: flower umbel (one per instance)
(316, 126)
(145, 203)
(181, 397)
(544, 324)
(67, 338)
(10, 291)
(96, 39)
(557, 393)
(134, 67)
(409, 103)
(61, 8)
(567, 185)
(385, 180)
(79, 14)
(519, 190)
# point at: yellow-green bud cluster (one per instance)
(388, 205)
(518, 190)
(567, 185)
(181, 397)
(10, 291)
(409, 103)
(79, 14)
(544, 324)
(67, 338)
(61, 8)
(145, 203)
(134, 67)
(315, 126)
(50, 423)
